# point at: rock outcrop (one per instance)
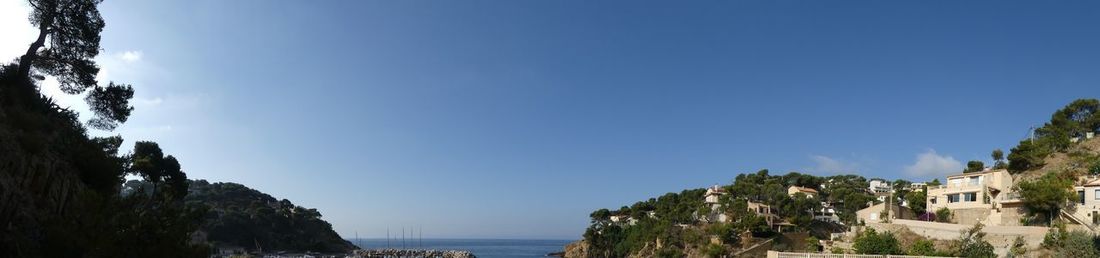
(577, 249)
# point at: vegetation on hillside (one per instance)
(1074, 120)
(61, 190)
(240, 216)
(60, 187)
(674, 219)
(1047, 194)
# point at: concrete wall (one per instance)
(972, 216)
(1010, 215)
(1001, 237)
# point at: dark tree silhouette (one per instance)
(149, 162)
(67, 42)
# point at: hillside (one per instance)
(720, 221)
(1079, 158)
(59, 186)
(243, 217)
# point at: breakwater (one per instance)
(413, 253)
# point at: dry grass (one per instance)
(1076, 159)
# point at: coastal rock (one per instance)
(577, 249)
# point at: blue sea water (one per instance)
(482, 248)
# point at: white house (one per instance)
(713, 197)
(878, 186)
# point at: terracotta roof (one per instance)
(804, 189)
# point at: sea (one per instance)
(482, 248)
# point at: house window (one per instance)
(933, 200)
(975, 180)
(970, 197)
(952, 198)
(1096, 194)
(1081, 196)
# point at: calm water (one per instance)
(483, 248)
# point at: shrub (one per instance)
(1056, 236)
(714, 250)
(943, 215)
(1025, 156)
(1046, 194)
(972, 244)
(1019, 247)
(923, 247)
(670, 252)
(871, 242)
(813, 244)
(1094, 169)
(1078, 244)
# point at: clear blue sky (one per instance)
(515, 119)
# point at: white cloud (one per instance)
(931, 163)
(148, 101)
(827, 165)
(131, 56)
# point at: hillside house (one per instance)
(769, 214)
(878, 186)
(713, 197)
(809, 192)
(917, 187)
(827, 213)
(1086, 209)
(623, 219)
(982, 196)
(1082, 137)
(874, 213)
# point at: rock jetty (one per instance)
(416, 253)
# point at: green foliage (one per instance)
(917, 201)
(813, 244)
(609, 239)
(111, 104)
(923, 247)
(1046, 194)
(65, 48)
(1056, 237)
(972, 244)
(71, 206)
(943, 215)
(671, 252)
(1094, 168)
(871, 242)
(974, 166)
(850, 191)
(1078, 244)
(1075, 119)
(727, 232)
(1069, 244)
(715, 251)
(241, 216)
(1026, 156)
(998, 159)
(1018, 247)
(600, 215)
